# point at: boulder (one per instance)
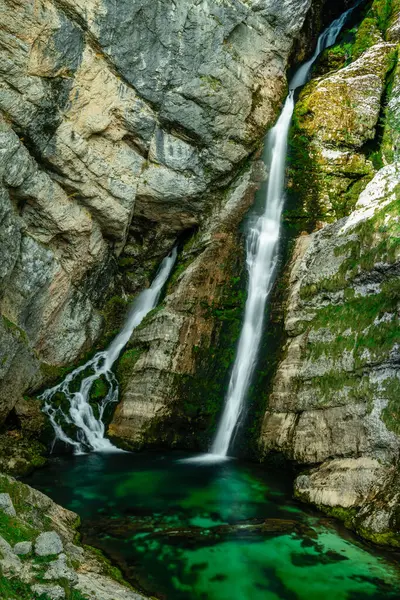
(23, 548)
(48, 543)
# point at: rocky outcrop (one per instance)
(180, 348)
(336, 123)
(119, 128)
(39, 554)
(334, 405)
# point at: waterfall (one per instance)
(263, 252)
(89, 429)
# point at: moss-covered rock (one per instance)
(19, 454)
(29, 577)
(174, 374)
(336, 136)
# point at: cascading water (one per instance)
(89, 429)
(263, 251)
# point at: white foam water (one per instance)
(89, 428)
(263, 252)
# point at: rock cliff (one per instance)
(121, 129)
(334, 404)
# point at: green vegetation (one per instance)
(374, 240)
(125, 365)
(109, 570)
(19, 494)
(114, 313)
(15, 589)
(390, 389)
(211, 82)
(194, 417)
(328, 193)
(14, 530)
(346, 515)
(388, 538)
(99, 389)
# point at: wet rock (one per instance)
(35, 512)
(341, 483)
(117, 131)
(19, 453)
(170, 341)
(48, 543)
(336, 116)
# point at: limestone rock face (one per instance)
(117, 124)
(336, 118)
(161, 399)
(336, 391)
(334, 404)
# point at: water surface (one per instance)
(224, 531)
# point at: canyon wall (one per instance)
(122, 128)
(334, 404)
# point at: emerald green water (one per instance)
(186, 531)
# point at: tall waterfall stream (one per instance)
(263, 251)
(263, 241)
(90, 429)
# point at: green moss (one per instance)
(126, 363)
(109, 570)
(99, 389)
(15, 589)
(194, 416)
(19, 493)
(126, 261)
(390, 390)
(14, 530)
(114, 313)
(367, 35)
(16, 330)
(346, 515)
(375, 240)
(388, 538)
(211, 82)
(328, 195)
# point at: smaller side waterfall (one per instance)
(88, 428)
(263, 251)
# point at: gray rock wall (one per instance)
(334, 404)
(118, 123)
